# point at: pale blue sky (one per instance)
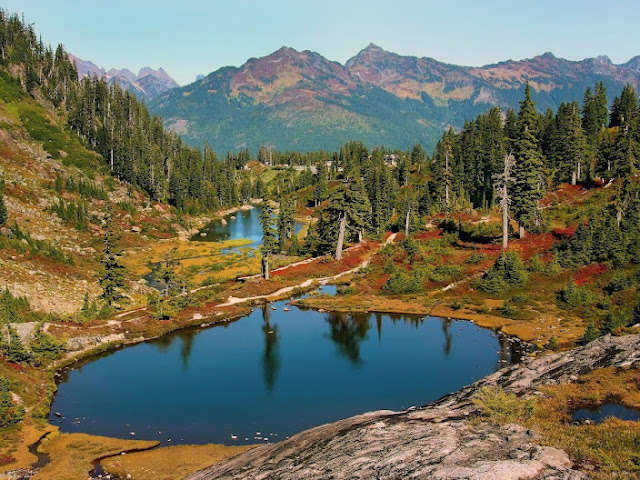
(187, 37)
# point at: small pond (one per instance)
(240, 224)
(272, 374)
(598, 414)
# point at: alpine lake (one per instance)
(274, 372)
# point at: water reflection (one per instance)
(241, 224)
(271, 355)
(274, 371)
(347, 331)
(186, 337)
(446, 329)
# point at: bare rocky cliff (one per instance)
(436, 441)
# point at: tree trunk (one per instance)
(343, 227)
(406, 222)
(574, 178)
(579, 171)
(265, 267)
(505, 221)
(522, 232)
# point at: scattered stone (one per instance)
(136, 229)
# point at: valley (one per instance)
(170, 313)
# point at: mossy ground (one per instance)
(170, 463)
(72, 454)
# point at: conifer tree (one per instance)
(269, 239)
(595, 114)
(285, 221)
(528, 184)
(321, 185)
(569, 147)
(112, 271)
(349, 207)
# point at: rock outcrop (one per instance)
(436, 441)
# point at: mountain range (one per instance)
(146, 84)
(295, 100)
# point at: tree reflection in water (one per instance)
(347, 331)
(186, 337)
(271, 356)
(446, 329)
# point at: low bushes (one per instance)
(507, 272)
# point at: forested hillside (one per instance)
(112, 122)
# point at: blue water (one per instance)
(273, 372)
(605, 410)
(246, 224)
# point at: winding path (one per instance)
(321, 281)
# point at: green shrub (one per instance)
(44, 347)
(522, 298)
(507, 310)
(10, 413)
(443, 272)
(553, 267)
(615, 319)
(574, 296)
(13, 350)
(127, 207)
(507, 272)
(619, 282)
(552, 344)
(476, 258)
(71, 212)
(402, 282)
(536, 264)
(590, 334)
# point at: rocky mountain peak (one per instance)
(146, 84)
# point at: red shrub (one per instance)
(587, 274)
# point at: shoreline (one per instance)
(217, 316)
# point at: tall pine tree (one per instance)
(528, 174)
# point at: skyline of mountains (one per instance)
(146, 84)
(295, 100)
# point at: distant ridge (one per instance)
(146, 84)
(302, 101)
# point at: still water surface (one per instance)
(274, 372)
(241, 224)
(607, 410)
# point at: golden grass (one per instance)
(72, 454)
(191, 253)
(365, 303)
(19, 441)
(169, 463)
